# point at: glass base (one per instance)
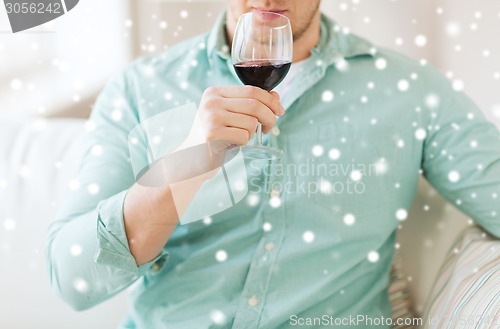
(261, 152)
(255, 152)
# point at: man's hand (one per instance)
(231, 114)
(227, 115)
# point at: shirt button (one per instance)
(275, 193)
(269, 246)
(253, 301)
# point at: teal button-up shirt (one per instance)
(315, 235)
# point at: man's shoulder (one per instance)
(396, 61)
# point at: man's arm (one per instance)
(88, 254)
(461, 156)
(120, 229)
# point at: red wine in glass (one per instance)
(265, 74)
(261, 54)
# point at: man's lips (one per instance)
(269, 14)
(263, 10)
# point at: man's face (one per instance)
(299, 12)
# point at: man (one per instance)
(315, 235)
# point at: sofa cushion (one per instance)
(466, 293)
(38, 160)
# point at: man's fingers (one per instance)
(234, 135)
(242, 121)
(252, 108)
(269, 99)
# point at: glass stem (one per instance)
(257, 137)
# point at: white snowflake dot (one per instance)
(327, 96)
(356, 175)
(421, 40)
(93, 188)
(117, 115)
(373, 256)
(381, 167)
(308, 236)
(334, 154)
(267, 227)
(240, 185)
(342, 65)
(221, 255)
(420, 134)
(453, 29)
(253, 199)
(325, 187)
(403, 85)
(218, 317)
(454, 176)
(317, 150)
(275, 202)
(16, 84)
(381, 64)
(96, 150)
(9, 224)
(458, 85)
(401, 214)
(76, 250)
(349, 219)
(81, 285)
(432, 101)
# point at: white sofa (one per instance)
(37, 161)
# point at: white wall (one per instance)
(60, 64)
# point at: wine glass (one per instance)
(262, 54)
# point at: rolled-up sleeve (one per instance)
(113, 249)
(461, 154)
(87, 251)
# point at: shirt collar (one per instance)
(334, 44)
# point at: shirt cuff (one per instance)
(113, 249)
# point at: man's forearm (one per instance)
(150, 217)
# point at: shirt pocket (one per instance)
(357, 162)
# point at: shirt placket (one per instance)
(273, 221)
